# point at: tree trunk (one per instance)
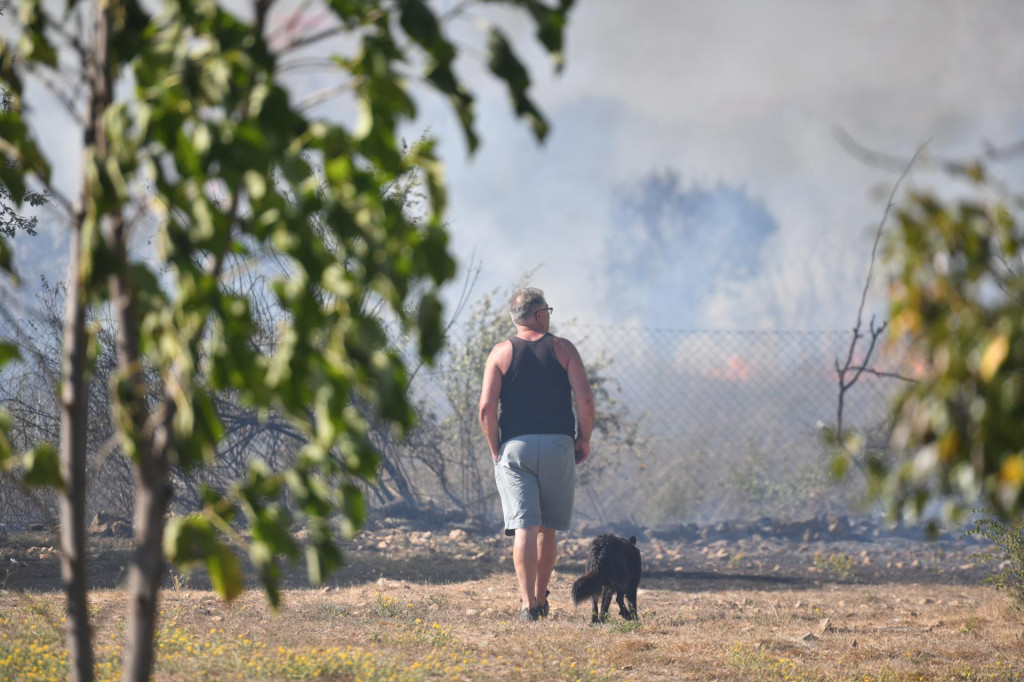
(74, 397)
(147, 566)
(73, 432)
(151, 443)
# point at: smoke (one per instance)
(740, 101)
(674, 247)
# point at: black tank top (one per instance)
(535, 393)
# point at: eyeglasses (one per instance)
(548, 310)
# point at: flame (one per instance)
(736, 369)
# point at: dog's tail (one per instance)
(586, 586)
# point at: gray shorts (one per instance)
(536, 477)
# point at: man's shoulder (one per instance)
(562, 342)
(564, 350)
(503, 347)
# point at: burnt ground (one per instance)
(763, 555)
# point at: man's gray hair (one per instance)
(523, 303)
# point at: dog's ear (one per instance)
(632, 539)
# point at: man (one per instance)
(536, 441)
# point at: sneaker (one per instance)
(528, 615)
(543, 609)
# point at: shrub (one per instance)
(1009, 539)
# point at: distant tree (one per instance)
(186, 126)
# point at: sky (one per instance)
(692, 178)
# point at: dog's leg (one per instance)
(594, 618)
(631, 603)
(623, 610)
(606, 601)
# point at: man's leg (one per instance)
(547, 551)
(524, 556)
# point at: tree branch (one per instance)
(875, 331)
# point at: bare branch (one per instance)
(875, 331)
(868, 156)
(883, 375)
(321, 96)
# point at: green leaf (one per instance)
(420, 23)
(429, 321)
(34, 45)
(550, 26)
(5, 443)
(322, 558)
(189, 540)
(271, 527)
(42, 467)
(355, 504)
(840, 466)
(225, 573)
(8, 352)
(504, 64)
(192, 540)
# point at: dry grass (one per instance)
(467, 630)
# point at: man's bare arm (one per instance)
(489, 394)
(584, 396)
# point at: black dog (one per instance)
(613, 566)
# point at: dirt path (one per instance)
(720, 559)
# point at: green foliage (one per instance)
(1009, 540)
(10, 220)
(42, 467)
(956, 289)
(839, 565)
(384, 606)
(192, 541)
(208, 145)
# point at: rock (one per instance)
(458, 534)
(837, 526)
(121, 529)
(107, 525)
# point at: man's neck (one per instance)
(529, 332)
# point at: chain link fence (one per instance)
(714, 425)
(732, 423)
(694, 426)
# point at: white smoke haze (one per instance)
(742, 98)
(740, 95)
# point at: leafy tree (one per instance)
(10, 220)
(186, 126)
(956, 292)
